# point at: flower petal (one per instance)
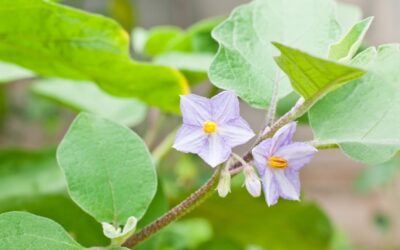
(236, 132)
(215, 151)
(294, 178)
(190, 139)
(297, 154)
(283, 136)
(287, 189)
(195, 109)
(271, 190)
(225, 107)
(252, 182)
(260, 154)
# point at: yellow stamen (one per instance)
(277, 162)
(210, 127)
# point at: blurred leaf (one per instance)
(379, 175)
(244, 62)
(11, 72)
(363, 116)
(158, 207)
(221, 244)
(340, 241)
(382, 222)
(344, 50)
(197, 37)
(123, 12)
(193, 65)
(182, 235)
(348, 15)
(313, 77)
(287, 225)
(31, 181)
(29, 173)
(21, 230)
(159, 38)
(60, 208)
(99, 153)
(162, 39)
(85, 96)
(48, 38)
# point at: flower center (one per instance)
(210, 127)
(277, 162)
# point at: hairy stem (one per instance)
(177, 212)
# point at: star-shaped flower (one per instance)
(211, 127)
(278, 161)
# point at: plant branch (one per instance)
(208, 188)
(177, 212)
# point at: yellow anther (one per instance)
(210, 127)
(277, 162)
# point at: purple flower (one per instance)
(278, 161)
(211, 127)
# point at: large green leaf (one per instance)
(21, 230)
(54, 40)
(86, 96)
(363, 117)
(245, 63)
(347, 47)
(313, 77)
(287, 225)
(108, 168)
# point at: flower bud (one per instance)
(252, 182)
(224, 184)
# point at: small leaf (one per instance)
(244, 62)
(86, 96)
(48, 38)
(108, 168)
(313, 77)
(344, 50)
(363, 116)
(21, 230)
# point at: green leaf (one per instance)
(21, 230)
(11, 72)
(86, 96)
(377, 176)
(348, 15)
(108, 168)
(287, 225)
(244, 62)
(193, 65)
(313, 77)
(48, 38)
(344, 50)
(363, 116)
(159, 38)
